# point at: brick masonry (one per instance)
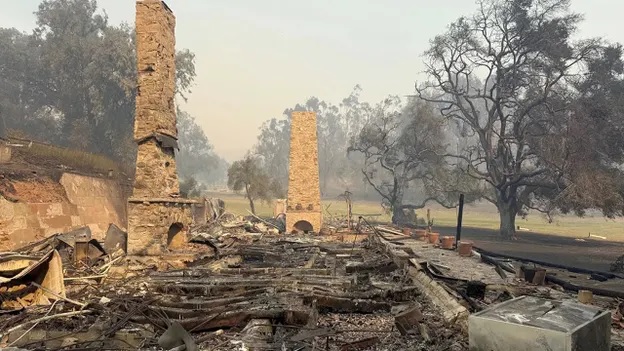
(304, 193)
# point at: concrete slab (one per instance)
(468, 268)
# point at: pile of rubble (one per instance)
(240, 285)
(510, 303)
(253, 290)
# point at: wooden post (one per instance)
(429, 220)
(81, 251)
(349, 209)
(460, 216)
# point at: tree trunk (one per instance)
(3, 133)
(252, 207)
(323, 185)
(398, 216)
(507, 213)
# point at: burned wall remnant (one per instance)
(35, 206)
(157, 219)
(303, 211)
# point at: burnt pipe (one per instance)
(563, 283)
(608, 275)
(573, 287)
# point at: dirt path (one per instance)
(588, 254)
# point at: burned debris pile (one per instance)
(238, 284)
(251, 289)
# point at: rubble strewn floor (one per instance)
(457, 274)
(240, 286)
(297, 288)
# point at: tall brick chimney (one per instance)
(155, 129)
(303, 211)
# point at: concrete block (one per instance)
(534, 324)
(56, 222)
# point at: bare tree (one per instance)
(247, 175)
(522, 52)
(404, 148)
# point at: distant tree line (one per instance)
(336, 124)
(72, 82)
(514, 111)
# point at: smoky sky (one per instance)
(256, 58)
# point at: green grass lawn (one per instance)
(477, 216)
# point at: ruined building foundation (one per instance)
(157, 220)
(303, 211)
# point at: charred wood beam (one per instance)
(231, 319)
(326, 303)
(274, 270)
(548, 264)
(383, 266)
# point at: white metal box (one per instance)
(529, 323)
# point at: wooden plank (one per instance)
(383, 266)
(348, 305)
(408, 320)
(360, 344)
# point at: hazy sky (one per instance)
(255, 58)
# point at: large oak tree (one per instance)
(510, 74)
(72, 81)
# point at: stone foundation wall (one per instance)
(304, 192)
(149, 223)
(40, 207)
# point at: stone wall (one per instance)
(155, 46)
(158, 226)
(304, 193)
(41, 206)
(156, 174)
(155, 116)
(99, 201)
